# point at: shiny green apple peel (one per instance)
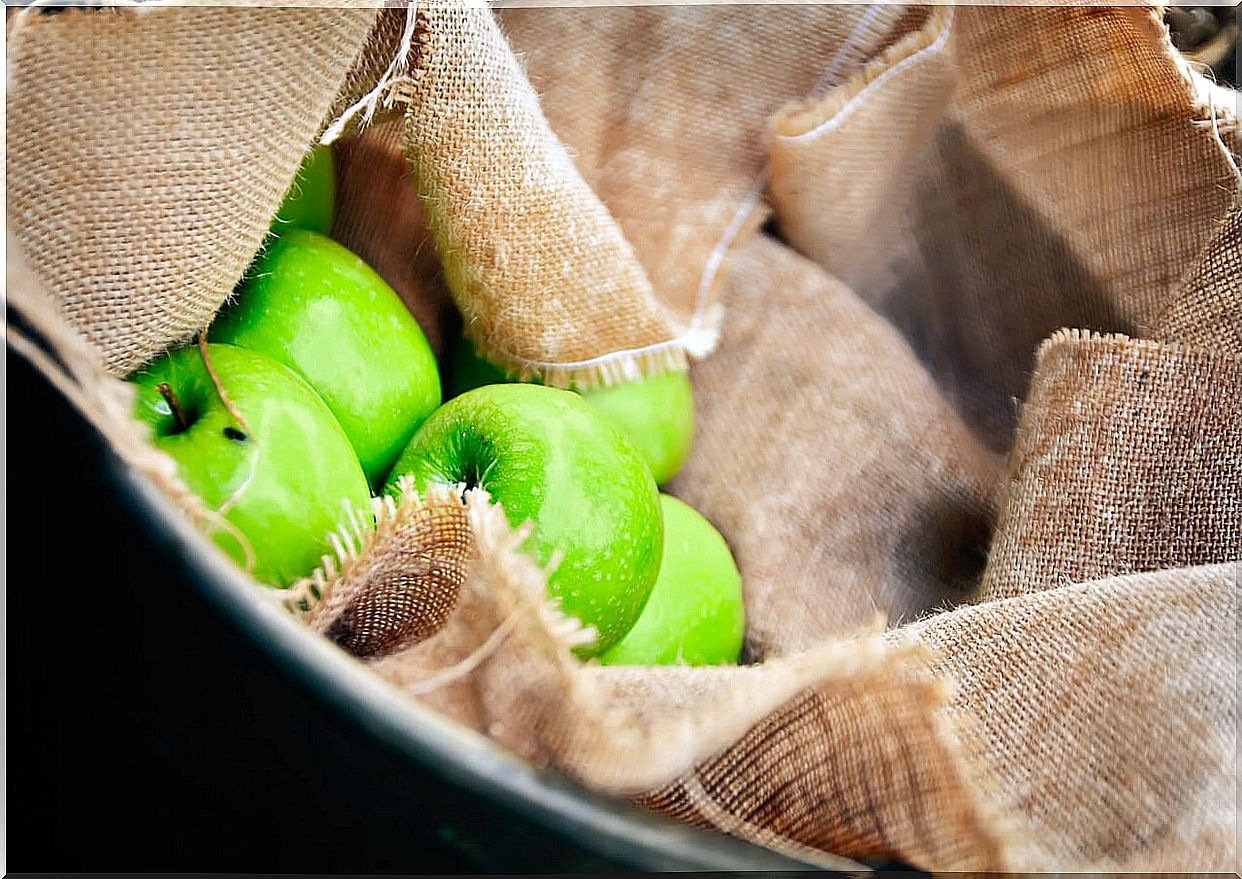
(281, 475)
(322, 311)
(695, 614)
(656, 413)
(310, 202)
(547, 457)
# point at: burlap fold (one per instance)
(1107, 715)
(1150, 438)
(149, 148)
(664, 110)
(502, 664)
(843, 447)
(394, 576)
(1199, 314)
(972, 429)
(1046, 196)
(546, 283)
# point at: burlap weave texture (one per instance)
(971, 428)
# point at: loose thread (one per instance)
(219, 386)
(235, 496)
(390, 78)
(459, 670)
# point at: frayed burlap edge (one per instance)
(1201, 91)
(517, 670)
(806, 119)
(1118, 340)
(561, 717)
(393, 577)
(487, 261)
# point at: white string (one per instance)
(369, 102)
(857, 101)
(1224, 147)
(834, 66)
(716, 258)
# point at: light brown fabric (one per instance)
(842, 166)
(503, 665)
(395, 576)
(866, 768)
(545, 281)
(1107, 712)
(843, 447)
(1016, 221)
(1207, 309)
(664, 110)
(953, 187)
(1128, 458)
(145, 162)
(1135, 803)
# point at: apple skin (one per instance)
(310, 202)
(695, 614)
(469, 371)
(300, 466)
(548, 458)
(657, 413)
(320, 310)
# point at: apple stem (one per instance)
(179, 420)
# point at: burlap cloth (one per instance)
(971, 426)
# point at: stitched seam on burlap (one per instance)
(834, 121)
(715, 260)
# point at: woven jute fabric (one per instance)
(1149, 432)
(844, 447)
(1199, 314)
(1007, 221)
(393, 580)
(145, 160)
(1107, 715)
(843, 164)
(664, 109)
(545, 280)
(971, 427)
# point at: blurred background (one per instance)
(1208, 35)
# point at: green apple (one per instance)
(311, 201)
(282, 478)
(469, 371)
(657, 413)
(546, 457)
(694, 615)
(320, 310)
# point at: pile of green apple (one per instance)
(316, 387)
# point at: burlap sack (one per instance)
(535, 299)
(1055, 689)
(145, 162)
